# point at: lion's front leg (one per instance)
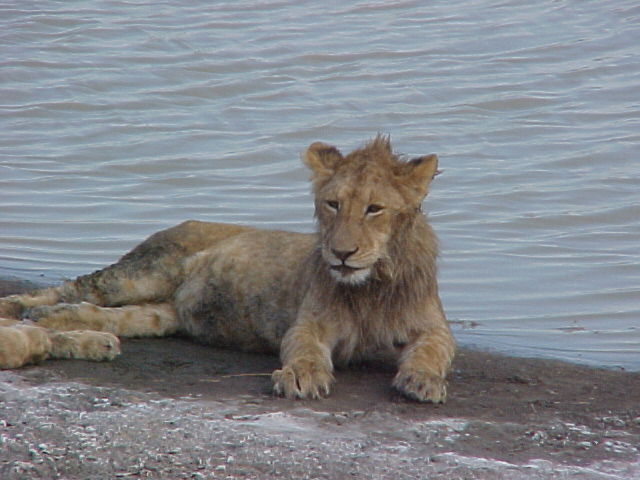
(424, 364)
(307, 370)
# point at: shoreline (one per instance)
(506, 417)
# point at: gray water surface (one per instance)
(121, 118)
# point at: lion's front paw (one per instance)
(302, 380)
(422, 386)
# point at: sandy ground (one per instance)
(173, 409)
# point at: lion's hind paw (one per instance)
(22, 345)
(85, 345)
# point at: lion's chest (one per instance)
(378, 335)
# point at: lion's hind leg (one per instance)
(81, 331)
(14, 306)
(146, 320)
(24, 344)
(84, 345)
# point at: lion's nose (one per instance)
(342, 255)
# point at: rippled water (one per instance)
(121, 118)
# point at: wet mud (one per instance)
(172, 409)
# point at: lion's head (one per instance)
(362, 201)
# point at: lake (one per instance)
(119, 118)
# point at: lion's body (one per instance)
(245, 292)
(363, 287)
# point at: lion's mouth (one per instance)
(345, 269)
(350, 275)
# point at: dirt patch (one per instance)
(173, 409)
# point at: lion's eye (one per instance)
(373, 209)
(333, 205)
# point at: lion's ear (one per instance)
(419, 172)
(322, 159)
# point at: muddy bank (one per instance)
(172, 409)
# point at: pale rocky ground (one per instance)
(172, 409)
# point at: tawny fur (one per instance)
(363, 287)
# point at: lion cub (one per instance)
(364, 286)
